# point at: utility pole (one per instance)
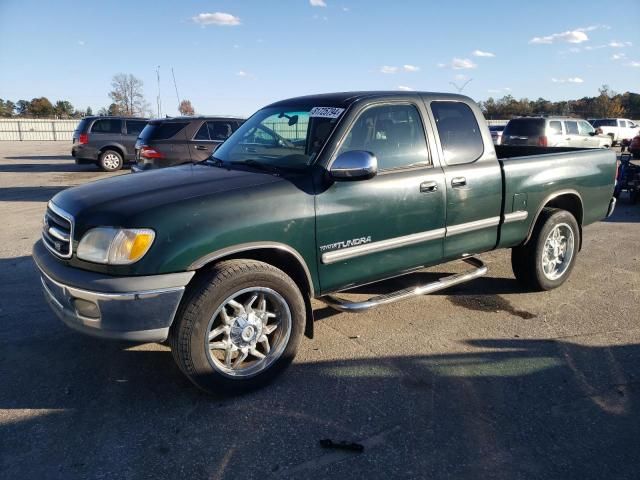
(158, 100)
(176, 86)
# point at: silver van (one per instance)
(553, 132)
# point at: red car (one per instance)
(634, 147)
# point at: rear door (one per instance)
(209, 136)
(371, 229)
(555, 134)
(473, 179)
(132, 129)
(573, 133)
(106, 131)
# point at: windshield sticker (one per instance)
(326, 112)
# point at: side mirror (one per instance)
(593, 133)
(354, 165)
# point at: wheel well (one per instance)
(114, 148)
(286, 262)
(569, 202)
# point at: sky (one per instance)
(235, 56)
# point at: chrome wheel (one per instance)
(248, 332)
(111, 161)
(558, 251)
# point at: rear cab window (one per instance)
(459, 132)
(107, 125)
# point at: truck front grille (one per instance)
(57, 231)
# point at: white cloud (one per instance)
(593, 27)
(570, 36)
(567, 80)
(404, 88)
(388, 69)
(346, 9)
(480, 53)
(462, 64)
(81, 43)
(410, 68)
(242, 73)
(317, 3)
(633, 63)
(618, 56)
(217, 18)
(615, 44)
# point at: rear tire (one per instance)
(547, 259)
(110, 161)
(239, 327)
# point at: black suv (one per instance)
(107, 141)
(172, 141)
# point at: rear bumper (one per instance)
(139, 309)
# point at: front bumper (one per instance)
(139, 309)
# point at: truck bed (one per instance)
(534, 175)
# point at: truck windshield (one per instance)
(280, 137)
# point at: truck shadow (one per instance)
(76, 407)
(29, 194)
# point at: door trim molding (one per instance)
(517, 216)
(472, 226)
(382, 245)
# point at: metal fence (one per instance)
(23, 129)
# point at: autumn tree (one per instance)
(127, 95)
(186, 108)
(41, 107)
(608, 103)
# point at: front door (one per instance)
(473, 180)
(371, 229)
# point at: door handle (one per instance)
(200, 147)
(458, 182)
(427, 187)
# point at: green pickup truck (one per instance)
(310, 197)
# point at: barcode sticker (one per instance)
(326, 112)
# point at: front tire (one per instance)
(110, 161)
(238, 327)
(546, 260)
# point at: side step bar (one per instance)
(446, 282)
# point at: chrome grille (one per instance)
(57, 231)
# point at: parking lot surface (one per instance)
(483, 380)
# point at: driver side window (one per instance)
(393, 133)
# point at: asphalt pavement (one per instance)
(480, 381)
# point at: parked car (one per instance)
(619, 129)
(553, 132)
(496, 133)
(223, 257)
(108, 142)
(634, 147)
(172, 141)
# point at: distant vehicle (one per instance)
(496, 133)
(619, 129)
(173, 141)
(108, 142)
(634, 147)
(553, 132)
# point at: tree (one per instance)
(63, 109)
(41, 107)
(186, 108)
(89, 112)
(608, 103)
(6, 108)
(22, 107)
(127, 94)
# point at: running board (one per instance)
(446, 282)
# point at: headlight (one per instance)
(115, 246)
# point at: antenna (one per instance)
(460, 88)
(176, 86)
(158, 100)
